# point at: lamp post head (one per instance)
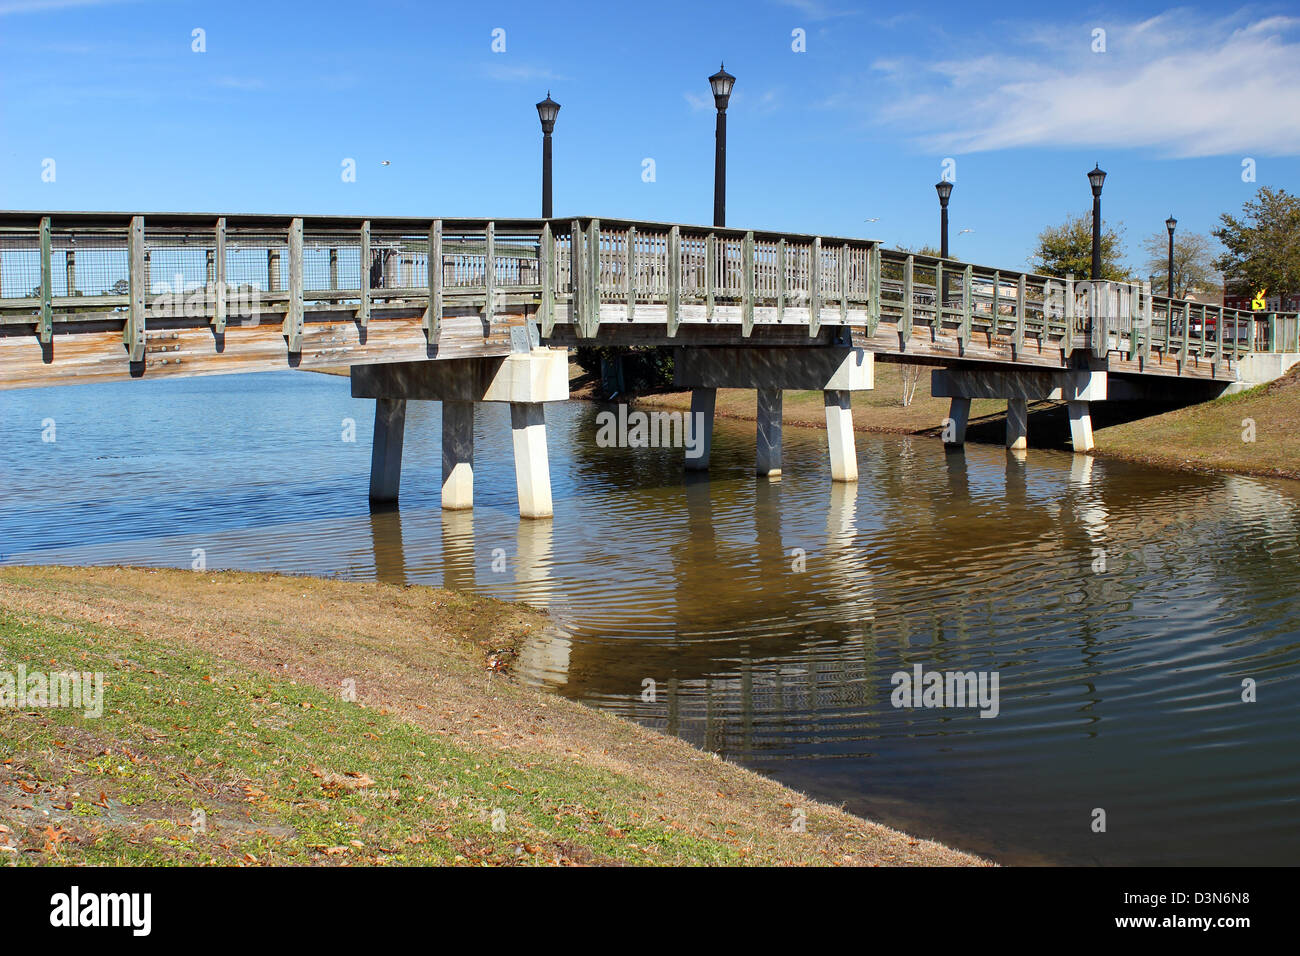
(721, 84)
(1170, 223)
(547, 110)
(1097, 178)
(944, 189)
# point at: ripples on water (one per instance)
(1119, 690)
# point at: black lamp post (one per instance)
(944, 189)
(1170, 223)
(1097, 179)
(547, 110)
(721, 84)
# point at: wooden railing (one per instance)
(62, 271)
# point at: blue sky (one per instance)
(855, 128)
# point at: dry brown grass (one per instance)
(421, 655)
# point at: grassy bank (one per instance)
(228, 694)
(1213, 435)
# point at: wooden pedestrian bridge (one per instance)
(468, 310)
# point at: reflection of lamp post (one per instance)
(944, 189)
(721, 84)
(547, 110)
(1170, 223)
(1096, 178)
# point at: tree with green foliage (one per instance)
(1262, 247)
(1193, 263)
(1066, 250)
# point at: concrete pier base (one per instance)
(768, 462)
(839, 436)
(703, 401)
(532, 469)
(524, 379)
(457, 455)
(1017, 424)
(834, 370)
(954, 430)
(1080, 426)
(386, 452)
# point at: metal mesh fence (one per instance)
(178, 262)
(257, 261)
(20, 265)
(82, 265)
(331, 261)
(399, 261)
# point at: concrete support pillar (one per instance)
(1080, 426)
(839, 436)
(1017, 423)
(532, 470)
(386, 451)
(768, 463)
(702, 404)
(954, 430)
(457, 455)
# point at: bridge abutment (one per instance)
(835, 371)
(525, 380)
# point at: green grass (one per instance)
(285, 773)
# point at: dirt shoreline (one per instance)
(226, 693)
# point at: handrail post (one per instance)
(1021, 305)
(293, 318)
(577, 280)
(967, 304)
(674, 279)
(133, 334)
(938, 298)
(873, 291)
(547, 305)
(631, 273)
(815, 284)
(997, 284)
(710, 274)
(908, 316)
(489, 271)
(780, 280)
(592, 276)
(844, 284)
(433, 315)
(47, 306)
(363, 309)
(1068, 343)
(219, 277)
(815, 289)
(1219, 335)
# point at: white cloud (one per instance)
(1177, 83)
(816, 9)
(44, 6)
(520, 72)
(699, 102)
